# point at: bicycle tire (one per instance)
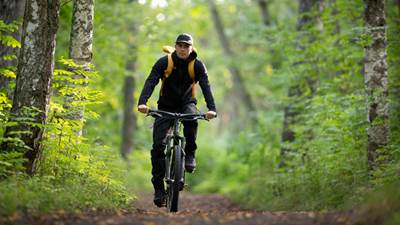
(176, 174)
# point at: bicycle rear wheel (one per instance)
(175, 185)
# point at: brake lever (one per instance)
(204, 117)
(154, 113)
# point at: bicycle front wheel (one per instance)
(175, 185)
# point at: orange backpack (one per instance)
(169, 50)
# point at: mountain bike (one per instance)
(175, 154)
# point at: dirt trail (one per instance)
(195, 209)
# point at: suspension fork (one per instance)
(172, 139)
(181, 142)
(168, 159)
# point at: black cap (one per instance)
(184, 38)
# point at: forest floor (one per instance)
(194, 209)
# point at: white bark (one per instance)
(82, 31)
(376, 80)
(80, 50)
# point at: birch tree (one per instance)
(34, 76)
(80, 50)
(376, 79)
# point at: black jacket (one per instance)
(177, 90)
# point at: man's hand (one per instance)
(210, 115)
(143, 108)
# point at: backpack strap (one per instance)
(167, 71)
(192, 76)
(170, 67)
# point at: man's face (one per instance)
(183, 50)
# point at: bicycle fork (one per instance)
(183, 156)
(180, 141)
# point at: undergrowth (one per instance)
(43, 194)
(73, 171)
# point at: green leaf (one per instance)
(9, 57)
(5, 163)
(8, 73)
(59, 72)
(10, 41)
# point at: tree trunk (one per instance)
(10, 10)
(263, 5)
(80, 50)
(34, 76)
(81, 39)
(129, 118)
(376, 80)
(129, 121)
(290, 112)
(238, 82)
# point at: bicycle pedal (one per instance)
(182, 186)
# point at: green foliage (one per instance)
(325, 60)
(5, 104)
(48, 193)
(5, 34)
(73, 172)
(138, 172)
(327, 167)
(10, 162)
(394, 82)
(17, 123)
(8, 73)
(381, 206)
(324, 173)
(10, 27)
(8, 41)
(70, 156)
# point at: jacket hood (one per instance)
(193, 54)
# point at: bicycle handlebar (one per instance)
(180, 116)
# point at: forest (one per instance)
(307, 95)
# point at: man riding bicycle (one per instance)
(176, 95)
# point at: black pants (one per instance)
(160, 129)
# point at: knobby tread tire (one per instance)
(176, 174)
